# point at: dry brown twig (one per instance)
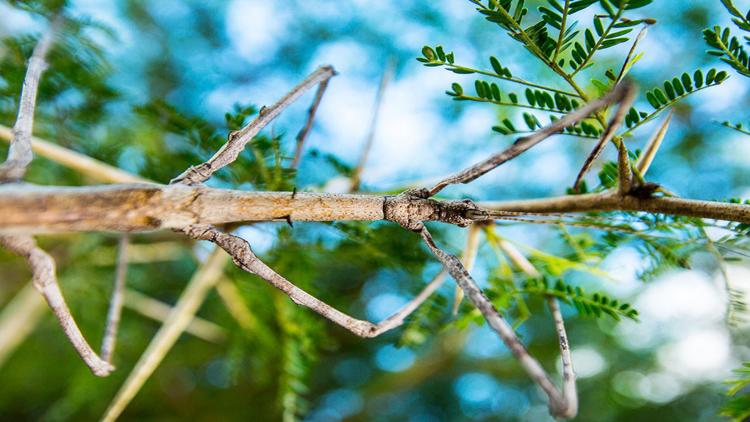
(116, 300)
(569, 389)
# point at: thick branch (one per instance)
(124, 208)
(136, 208)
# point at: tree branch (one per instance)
(468, 258)
(18, 318)
(647, 157)
(139, 208)
(569, 390)
(612, 201)
(160, 311)
(237, 140)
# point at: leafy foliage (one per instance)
(591, 305)
(738, 408)
(566, 48)
(729, 48)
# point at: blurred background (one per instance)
(146, 86)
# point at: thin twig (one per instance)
(115, 302)
(468, 258)
(642, 33)
(19, 154)
(356, 177)
(237, 140)
(628, 95)
(569, 390)
(647, 157)
(179, 318)
(302, 135)
(43, 269)
(557, 404)
(523, 144)
(613, 201)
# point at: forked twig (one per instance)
(557, 404)
(626, 100)
(523, 144)
(116, 300)
(43, 269)
(237, 140)
(19, 154)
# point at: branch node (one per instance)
(411, 208)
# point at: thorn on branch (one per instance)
(626, 100)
